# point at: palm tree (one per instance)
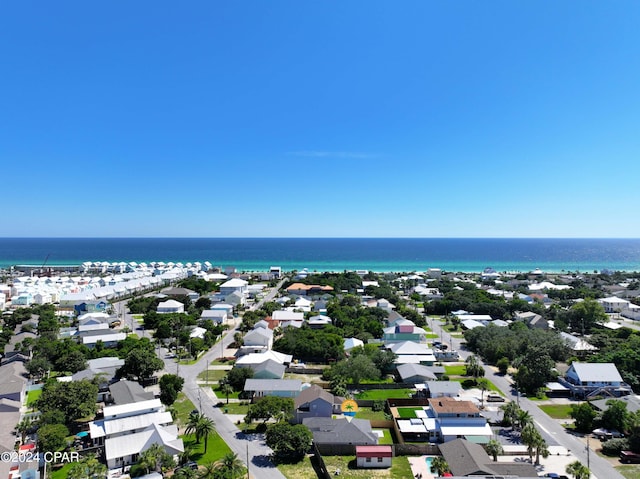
(23, 428)
(226, 389)
(510, 413)
(524, 418)
(483, 384)
(231, 466)
(542, 448)
(155, 458)
(474, 368)
(187, 453)
(210, 471)
(192, 425)
(530, 438)
(88, 468)
(186, 473)
(440, 465)
(205, 427)
(494, 448)
(578, 470)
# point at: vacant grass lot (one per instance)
(384, 394)
(368, 413)
(557, 411)
(400, 469)
(216, 448)
(630, 472)
(455, 369)
(33, 396)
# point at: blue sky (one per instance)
(320, 118)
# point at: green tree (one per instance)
(140, 364)
(494, 449)
(503, 365)
(23, 428)
(230, 466)
(87, 468)
(616, 416)
(156, 459)
(483, 385)
(289, 442)
(440, 465)
(474, 368)
(510, 413)
(534, 370)
(170, 387)
(37, 367)
(583, 415)
(52, 437)
(528, 436)
(271, 407)
(75, 399)
(226, 389)
(578, 470)
(356, 368)
(201, 426)
(237, 377)
(587, 314)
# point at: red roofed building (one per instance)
(373, 456)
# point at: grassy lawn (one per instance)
(455, 369)
(408, 412)
(384, 394)
(431, 336)
(61, 473)
(216, 448)
(223, 397)
(368, 413)
(387, 380)
(386, 438)
(235, 408)
(630, 472)
(557, 411)
(400, 469)
(33, 396)
(214, 375)
(183, 407)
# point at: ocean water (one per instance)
(336, 254)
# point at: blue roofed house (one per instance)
(595, 379)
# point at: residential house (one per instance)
(129, 429)
(404, 330)
(415, 373)
(466, 458)
(373, 457)
(281, 316)
(579, 346)
(218, 316)
(593, 379)
(316, 402)
(126, 392)
(319, 321)
(258, 388)
(350, 343)
(108, 337)
(235, 285)
(268, 369)
(341, 431)
(170, 306)
(308, 289)
(259, 339)
(258, 358)
(410, 352)
(13, 381)
(439, 389)
(443, 420)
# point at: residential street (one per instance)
(252, 451)
(551, 429)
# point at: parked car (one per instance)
(495, 398)
(628, 457)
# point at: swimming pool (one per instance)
(429, 460)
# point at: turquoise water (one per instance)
(429, 460)
(336, 254)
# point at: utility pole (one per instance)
(207, 373)
(588, 456)
(248, 475)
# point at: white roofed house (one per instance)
(257, 340)
(170, 306)
(595, 379)
(218, 316)
(128, 430)
(235, 285)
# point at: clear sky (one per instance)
(320, 118)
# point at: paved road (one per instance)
(550, 428)
(250, 449)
